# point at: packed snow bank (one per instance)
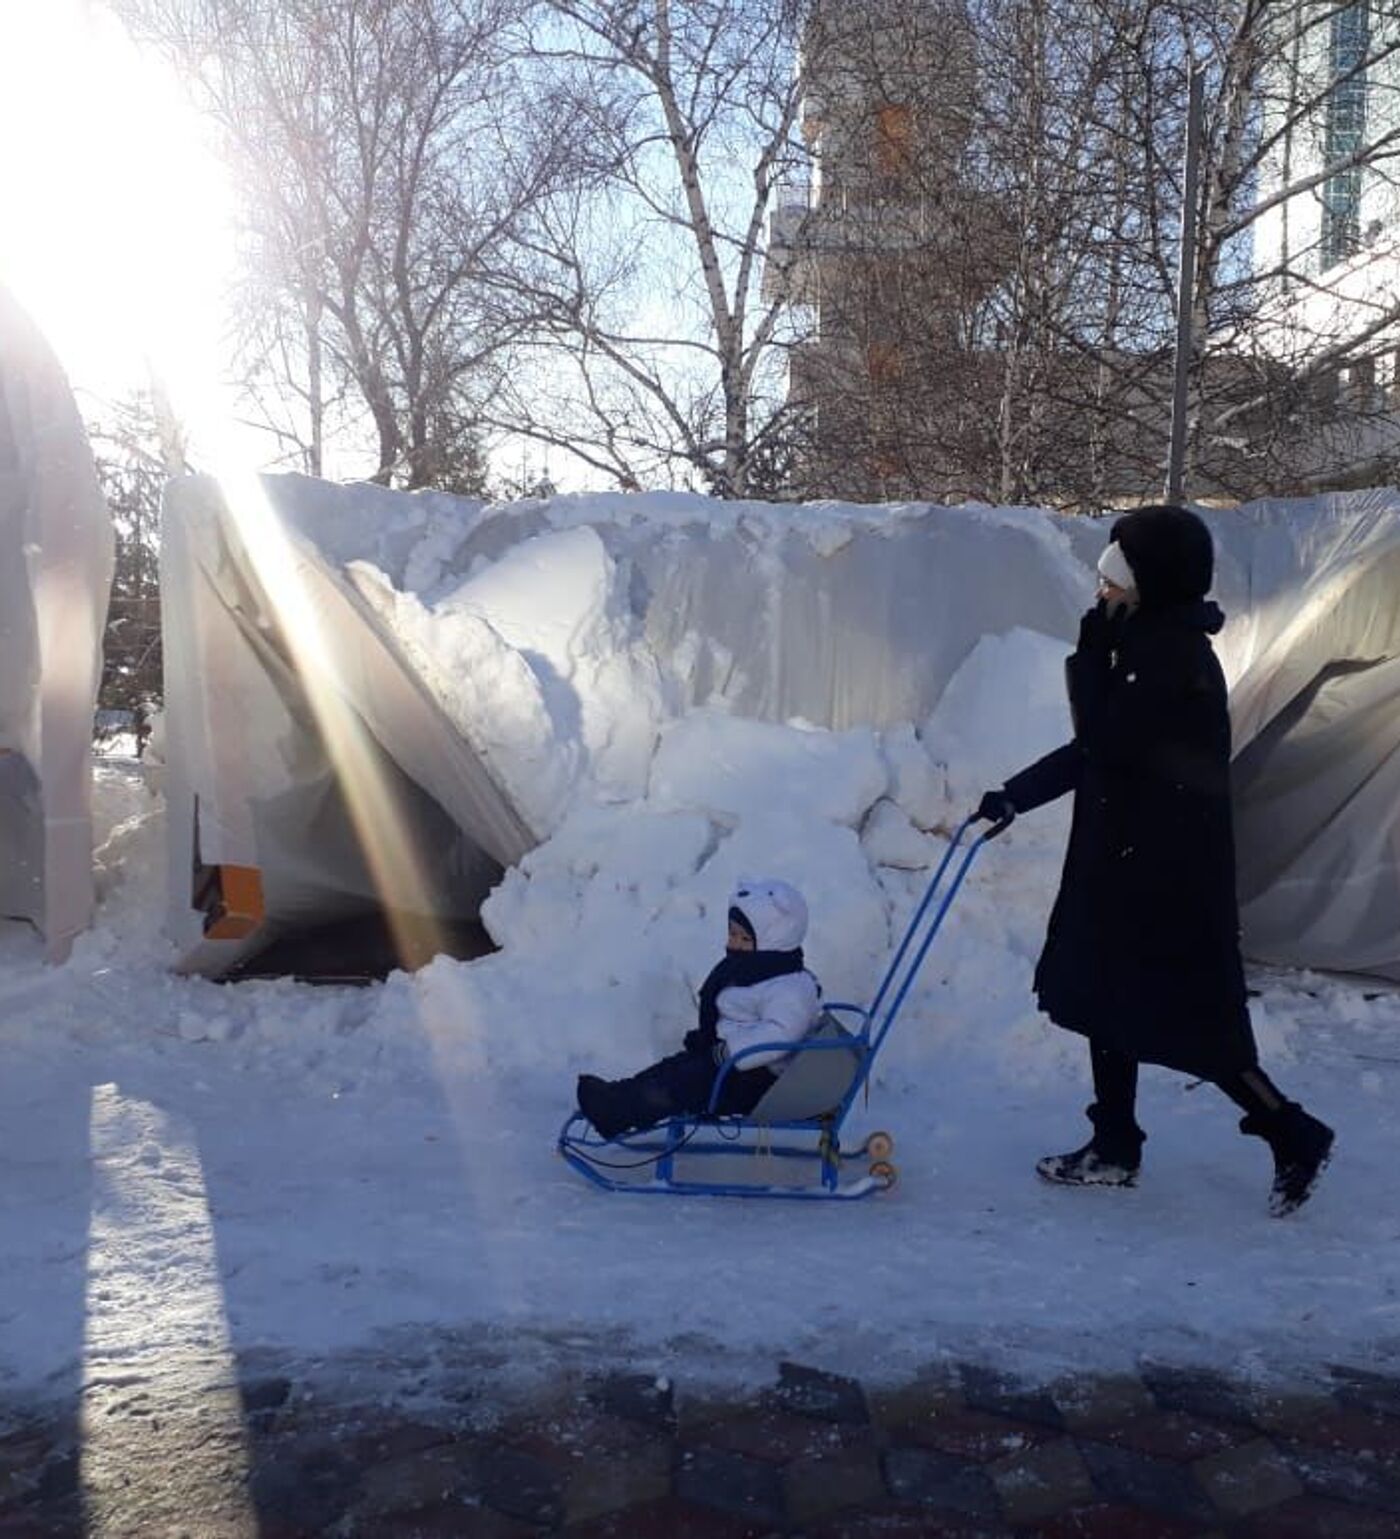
(836, 614)
(1003, 708)
(535, 659)
(498, 666)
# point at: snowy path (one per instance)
(172, 1201)
(202, 1180)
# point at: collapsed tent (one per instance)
(57, 544)
(310, 775)
(375, 701)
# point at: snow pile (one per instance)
(1005, 707)
(628, 903)
(129, 858)
(737, 769)
(607, 929)
(838, 614)
(536, 662)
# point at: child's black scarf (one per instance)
(741, 970)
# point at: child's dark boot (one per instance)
(1112, 1156)
(599, 1101)
(1301, 1147)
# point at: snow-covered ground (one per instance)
(196, 1170)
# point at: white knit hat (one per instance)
(775, 910)
(1114, 566)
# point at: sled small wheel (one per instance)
(884, 1173)
(879, 1146)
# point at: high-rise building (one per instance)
(1326, 253)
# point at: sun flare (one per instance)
(116, 233)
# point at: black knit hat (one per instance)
(1170, 551)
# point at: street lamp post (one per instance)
(1186, 286)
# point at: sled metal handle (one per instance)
(912, 928)
(911, 972)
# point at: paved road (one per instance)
(962, 1453)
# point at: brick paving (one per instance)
(1163, 1454)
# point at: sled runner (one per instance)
(801, 1116)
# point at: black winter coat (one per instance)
(1142, 952)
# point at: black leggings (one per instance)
(682, 1085)
(1116, 1078)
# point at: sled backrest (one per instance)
(815, 1080)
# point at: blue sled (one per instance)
(807, 1107)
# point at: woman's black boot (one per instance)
(1112, 1157)
(1301, 1147)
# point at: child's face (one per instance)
(739, 938)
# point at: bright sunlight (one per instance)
(117, 239)
(116, 227)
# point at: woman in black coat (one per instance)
(1142, 953)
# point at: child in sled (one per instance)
(760, 992)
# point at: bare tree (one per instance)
(127, 449)
(997, 319)
(891, 252)
(653, 355)
(386, 159)
(953, 247)
(1290, 317)
(1296, 316)
(901, 247)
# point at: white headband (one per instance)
(1113, 565)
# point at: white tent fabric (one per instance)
(1315, 703)
(56, 572)
(497, 658)
(309, 774)
(1311, 649)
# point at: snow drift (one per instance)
(501, 671)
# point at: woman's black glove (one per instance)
(1099, 630)
(995, 807)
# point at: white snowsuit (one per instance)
(781, 1010)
